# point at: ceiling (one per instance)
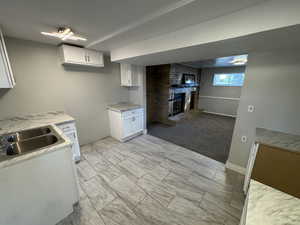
(277, 39)
(228, 61)
(109, 24)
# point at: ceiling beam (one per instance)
(160, 12)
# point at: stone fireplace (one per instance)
(167, 95)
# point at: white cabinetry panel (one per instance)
(94, 57)
(250, 165)
(125, 125)
(81, 56)
(73, 55)
(6, 75)
(129, 75)
(69, 129)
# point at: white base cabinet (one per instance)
(39, 191)
(69, 129)
(126, 125)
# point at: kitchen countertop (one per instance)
(123, 107)
(6, 161)
(268, 206)
(278, 139)
(15, 124)
(19, 123)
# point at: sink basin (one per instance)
(27, 134)
(29, 140)
(32, 144)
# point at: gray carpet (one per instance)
(207, 134)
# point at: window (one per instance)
(229, 79)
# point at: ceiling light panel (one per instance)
(64, 34)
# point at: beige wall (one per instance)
(223, 106)
(272, 86)
(43, 84)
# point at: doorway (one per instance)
(201, 99)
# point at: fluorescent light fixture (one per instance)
(64, 34)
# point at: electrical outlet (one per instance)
(250, 108)
(244, 139)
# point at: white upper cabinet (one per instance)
(94, 57)
(6, 75)
(81, 56)
(129, 75)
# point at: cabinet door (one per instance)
(74, 55)
(94, 58)
(69, 129)
(137, 123)
(75, 145)
(72, 139)
(127, 127)
(125, 74)
(136, 72)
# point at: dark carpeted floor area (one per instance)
(207, 134)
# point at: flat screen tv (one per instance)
(189, 79)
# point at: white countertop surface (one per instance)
(15, 124)
(278, 139)
(123, 106)
(19, 123)
(268, 206)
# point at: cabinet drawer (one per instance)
(67, 127)
(131, 113)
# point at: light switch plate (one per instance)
(250, 108)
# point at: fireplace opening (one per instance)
(178, 103)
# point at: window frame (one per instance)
(229, 84)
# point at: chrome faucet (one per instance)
(6, 141)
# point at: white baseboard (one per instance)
(235, 168)
(220, 114)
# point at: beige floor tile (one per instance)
(128, 190)
(149, 181)
(85, 171)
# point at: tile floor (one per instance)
(148, 181)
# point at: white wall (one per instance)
(43, 84)
(272, 86)
(218, 105)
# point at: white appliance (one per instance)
(69, 129)
(126, 125)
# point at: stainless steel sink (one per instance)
(30, 140)
(27, 134)
(32, 144)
